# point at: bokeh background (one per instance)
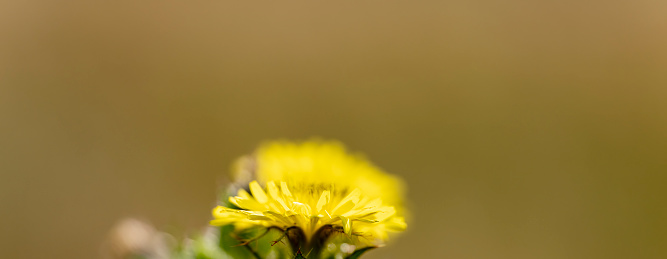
(524, 129)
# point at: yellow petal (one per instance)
(283, 187)
(258, 216)
(233, 201)
(385, 213)
(219, 210)
(396, 224)
(272, 189)
(324, 199)
(223, 221)
(348, 202)
(347, 225)
(249, 204)
(258, 192)
(301, 208)
(244, 194)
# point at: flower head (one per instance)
(317, 189)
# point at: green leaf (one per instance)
(359, 252)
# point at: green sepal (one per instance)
(256, 242)
(230, 244)
(298, 255)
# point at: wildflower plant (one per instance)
(310, 200)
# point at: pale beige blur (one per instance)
(524, 129)
(130, 237)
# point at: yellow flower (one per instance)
(318, 161)
(315, 188)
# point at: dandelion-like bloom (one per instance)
(315, 189)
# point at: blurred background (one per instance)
(524, 129)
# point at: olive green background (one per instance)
(524, 129)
